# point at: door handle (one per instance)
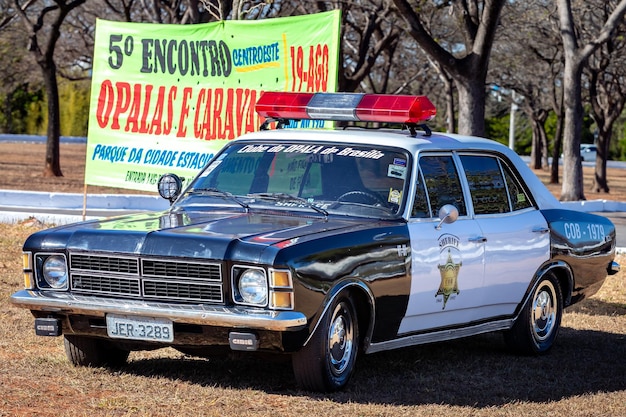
(477, 239)
(541, 229)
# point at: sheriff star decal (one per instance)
(449, 266)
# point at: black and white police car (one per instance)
(324, 244)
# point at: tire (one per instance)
(537, 326)
(326, 362)
(89, 351)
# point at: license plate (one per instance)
(140, 328)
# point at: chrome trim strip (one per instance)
(440, 336)
(206, 315)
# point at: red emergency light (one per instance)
(409, 110)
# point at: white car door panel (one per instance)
(516, 246)
(447, 275)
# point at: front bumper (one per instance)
(201, 314)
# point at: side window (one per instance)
(420, 204)
(442, 183)
(486, 184)
(517, 194)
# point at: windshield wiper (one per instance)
(289, 197)
(378, 207)
(214, 192)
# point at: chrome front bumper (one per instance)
(201, 314)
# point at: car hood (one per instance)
(208, 235)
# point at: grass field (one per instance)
(584, 375)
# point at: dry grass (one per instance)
(582, 376)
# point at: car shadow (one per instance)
(475, 372)
(594, 307)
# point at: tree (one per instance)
(605, 71)
(527, 36)
(19, 85)
(576, 56)
(44, 29)
(465, 60)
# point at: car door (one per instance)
(447, 259)
(516, 238)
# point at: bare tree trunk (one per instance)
(543, 139)
(450, 107)
(600, 183)
(542, 116)
(535, 150)
(471, 106)
(556, 150)
(52, 167)
(572, 188)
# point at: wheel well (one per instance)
(363, 308)
(565, 280)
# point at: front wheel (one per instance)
(90, 351)
(327, 361)
(538, 324)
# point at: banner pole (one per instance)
(84, 201)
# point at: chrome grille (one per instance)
(181, 281)
(160, 268)
(113, 285)
(175, 290)
(111, 264)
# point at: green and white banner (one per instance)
(165, 98)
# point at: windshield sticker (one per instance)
(395, 196)
(396, 171)
(211, 167)
(399, 161)
(316, 149)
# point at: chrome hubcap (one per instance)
(544, 312)
(340, 341)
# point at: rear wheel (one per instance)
(537, 326)
(327, 361)
(89, 351)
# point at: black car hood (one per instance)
(208, 235)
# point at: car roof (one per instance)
(362, 136)
(415, 144)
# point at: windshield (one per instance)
(325, 178)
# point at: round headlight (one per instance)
(253, 287)
(55, 272)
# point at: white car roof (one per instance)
(403, 139)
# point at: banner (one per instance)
(165, 98)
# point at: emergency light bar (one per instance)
(409, 110)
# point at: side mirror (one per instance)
(170, 186)
(447, 214)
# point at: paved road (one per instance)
(619, 220)
(39, 139)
